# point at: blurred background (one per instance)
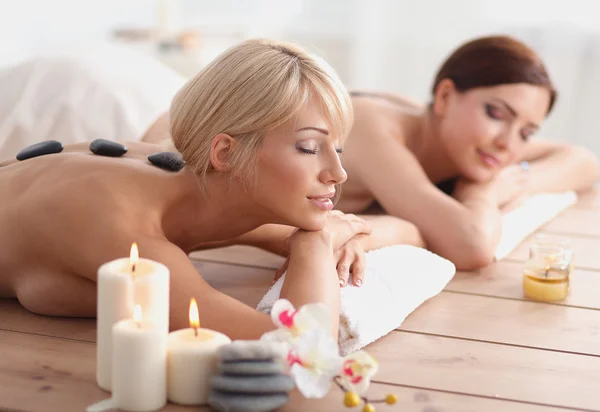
(393, 45)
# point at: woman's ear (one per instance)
(443, 92)
(221, 151)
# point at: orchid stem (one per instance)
(364, 398)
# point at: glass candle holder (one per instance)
(548, 269)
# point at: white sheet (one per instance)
(108, 92)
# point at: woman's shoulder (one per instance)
(380, 119)
(383, 97)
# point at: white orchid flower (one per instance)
(315, 361)
(293, 323)
(357, 370)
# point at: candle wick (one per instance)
(133, 268)
(196, 332)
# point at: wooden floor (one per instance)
(478, 346)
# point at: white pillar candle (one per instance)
(123, 283)
(191, 361)
(139, 365)
(151, 292)
(114, 303)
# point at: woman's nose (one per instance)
(334, 173)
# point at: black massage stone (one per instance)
(40, 149)
(103, 147)
(167, 160)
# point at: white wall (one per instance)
(400, 44)
(389, 44)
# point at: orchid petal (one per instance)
(278, 335)
(318, 362)
(357, 370)
(283, 313)
(314, 315)
(310, 384)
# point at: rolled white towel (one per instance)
(397, 280)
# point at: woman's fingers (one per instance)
(358, 269)
(343, 267)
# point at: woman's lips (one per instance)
(323, 203)
(488, 159)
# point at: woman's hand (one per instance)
(511, 185)
(507, 189)
(351, 261)
(344, 233)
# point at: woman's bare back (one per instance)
(392, 113)
(63, 215)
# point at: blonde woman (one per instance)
(260, 130)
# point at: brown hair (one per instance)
(492, 61)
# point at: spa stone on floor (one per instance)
(239, 402)
(103, 147)
(251, 350)
(253, 367)
(251, 379)
(167, 160)
(40, 149)
(253, 383)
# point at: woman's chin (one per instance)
(314, 223)
(478, 174)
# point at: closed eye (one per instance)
(307, 151)
(493, 112)
(526, 134)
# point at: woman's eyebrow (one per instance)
(318, 129)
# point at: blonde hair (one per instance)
(245, 92)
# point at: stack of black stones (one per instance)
(165, 160)
(251, 378)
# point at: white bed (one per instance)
(108, 91)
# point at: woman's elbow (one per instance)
(477, 252)
(474, 258)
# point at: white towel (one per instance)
(397, 280)
(531, 215)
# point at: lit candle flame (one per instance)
(137, 315)
(134, 256)
(194, 317)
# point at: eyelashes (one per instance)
(314, 151)
(492, 112)
(306, 151)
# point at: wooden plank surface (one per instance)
(49, 374)
(241, 255)
(496, 371)
(504, 280)
(510, 322)
(575, 221)
(585, 249)
(15, 318)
